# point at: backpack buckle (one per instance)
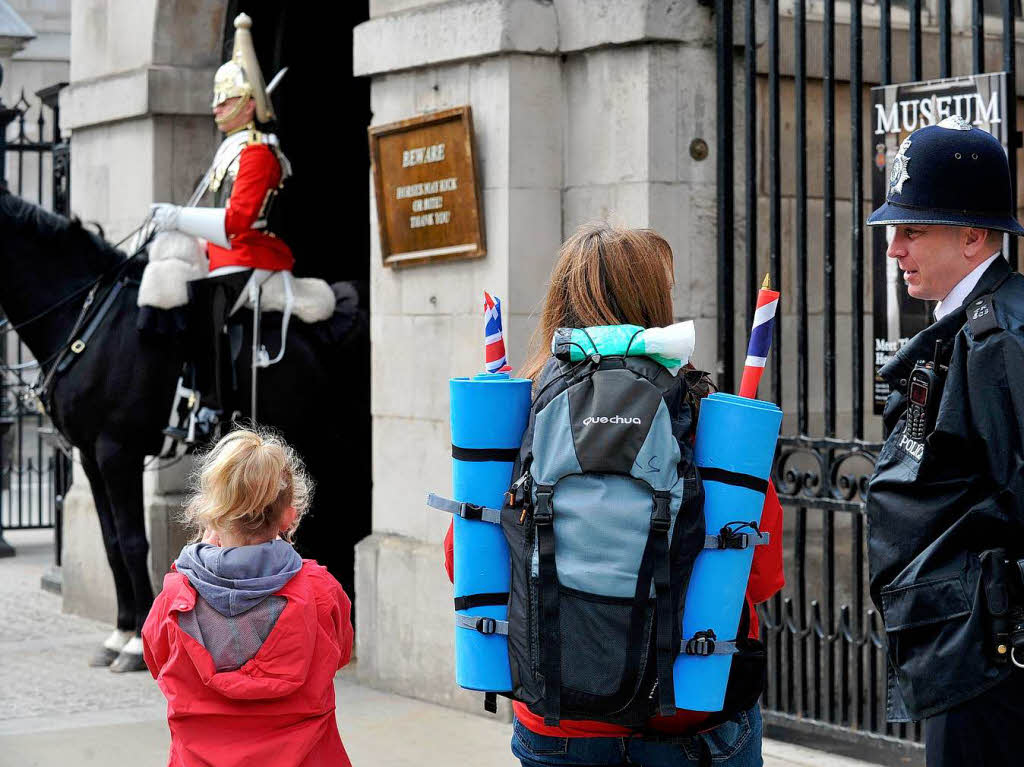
(470, 511)
(486, 625)
(702, 643)
(659, 523)
(661, 519)
(542, 512)
(730, 539)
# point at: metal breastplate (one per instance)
(224, 171)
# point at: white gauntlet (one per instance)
(207, 223)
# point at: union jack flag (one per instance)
(760, 340)
(494, 339)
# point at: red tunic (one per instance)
(766, 578)
(259, 171)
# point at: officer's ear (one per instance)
(974, 241)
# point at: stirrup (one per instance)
(176, 433)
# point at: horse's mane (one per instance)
(26, 218)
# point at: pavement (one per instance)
(55, 711)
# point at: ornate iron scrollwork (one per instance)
(824, 472)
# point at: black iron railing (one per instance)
(35, 471)
(826, 644)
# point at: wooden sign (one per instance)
(428, 200)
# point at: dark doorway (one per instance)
(322, 114)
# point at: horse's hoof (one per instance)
(103, 657)
(128, 661)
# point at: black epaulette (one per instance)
(981, 317)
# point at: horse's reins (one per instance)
(42, 384)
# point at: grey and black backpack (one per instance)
(604, 522)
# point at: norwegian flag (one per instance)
(494, 339)
(760, 340)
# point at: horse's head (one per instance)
(31, 235)
(44, 256)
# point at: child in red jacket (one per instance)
(246, 636)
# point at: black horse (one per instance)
(113, 401)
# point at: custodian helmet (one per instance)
(950, 173)
(240, 77)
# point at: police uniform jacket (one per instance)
(935, 506)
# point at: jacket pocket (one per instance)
(920, 604)
(935, 638)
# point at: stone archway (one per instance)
(138, 107)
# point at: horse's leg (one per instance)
(121, 469)
(125, 629)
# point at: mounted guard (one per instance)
(242, 242)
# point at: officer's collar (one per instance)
(922, 346)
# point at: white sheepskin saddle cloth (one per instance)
(175, 259)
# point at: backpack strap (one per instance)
(705, 643)
(482, 623)
(494, 599)
(464, 510)
(711, 474)
(551, 650)
(661, 521)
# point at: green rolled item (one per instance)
(670, 347)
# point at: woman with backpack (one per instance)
(607, 275)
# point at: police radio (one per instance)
(923, 393)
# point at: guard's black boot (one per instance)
(210, 300)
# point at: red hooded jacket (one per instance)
(276, 709)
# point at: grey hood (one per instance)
(233, 579)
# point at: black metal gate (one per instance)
(35, 471)
(826, 645)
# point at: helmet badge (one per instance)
(955, 122)
(898, 176)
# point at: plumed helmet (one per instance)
(951, 173)
(241, 76)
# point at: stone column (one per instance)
(138, 109)
(582, 109)
(498, 57)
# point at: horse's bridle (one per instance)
(41, 387)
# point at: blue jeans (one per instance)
(737, 743)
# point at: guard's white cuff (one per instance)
(207, 223)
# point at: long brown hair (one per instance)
(605, 275)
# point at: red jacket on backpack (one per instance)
(766, 578)
(278, 708)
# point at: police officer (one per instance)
(946, 502)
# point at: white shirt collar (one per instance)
(955, 298)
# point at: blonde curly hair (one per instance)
(244, 483)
